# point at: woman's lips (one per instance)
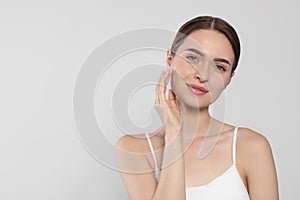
(198, 90)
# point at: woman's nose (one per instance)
(201, 75)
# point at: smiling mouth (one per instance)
(198, 90)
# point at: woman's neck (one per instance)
(197, 123)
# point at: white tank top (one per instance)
(227, 186)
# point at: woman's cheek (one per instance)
(176, 65)
(180, 67)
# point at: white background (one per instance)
(44, 44)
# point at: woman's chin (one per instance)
(195, 104)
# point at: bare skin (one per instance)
(183, 135)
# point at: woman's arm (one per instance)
(143, 186)
(259, 166)
(171, 184)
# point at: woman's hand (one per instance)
(168, 110)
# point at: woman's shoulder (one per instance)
(132, 143)
(130, 150)
(249, 139)
(252, 146)
(138, 143)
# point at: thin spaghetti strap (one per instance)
(234, 145)
(156, 170)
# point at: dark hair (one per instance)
(209, 23)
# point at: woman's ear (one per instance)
(232, 74)
(169, 58)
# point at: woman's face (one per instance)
(205, 59)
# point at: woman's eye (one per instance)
(220, 67)
(192, 58)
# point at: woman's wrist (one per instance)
(174, 138)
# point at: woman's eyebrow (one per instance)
(195, 51)
(222, 60)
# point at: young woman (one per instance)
(240, 165)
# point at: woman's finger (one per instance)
(162, 86)
(172, 99)
(157, 88)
